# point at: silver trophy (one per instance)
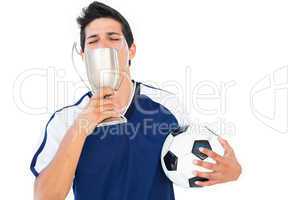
(103, 70)
(102, 67)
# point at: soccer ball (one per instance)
(181, 147)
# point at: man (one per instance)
(117, 162)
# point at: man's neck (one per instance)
(122, 96)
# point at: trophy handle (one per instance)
(75, 50)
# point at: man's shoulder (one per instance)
(169, 100)
(156, 94)
(148, 89)
(65, 116)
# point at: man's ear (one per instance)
(132, 51)
(81, 54)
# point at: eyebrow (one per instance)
(92, 36)
(113, 33)
(108, 33)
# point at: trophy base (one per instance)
(112, 121)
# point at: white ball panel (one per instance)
(187, 166)
(216, 146)
(166, 145)
(178, 178)
(182, 144)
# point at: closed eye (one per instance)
(91, 42)
(115, 39)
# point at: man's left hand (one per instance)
(226, 168)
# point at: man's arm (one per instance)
(54, 182)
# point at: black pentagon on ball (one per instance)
(194, 179)
(197, 145)
(179, 130)
(170, 160)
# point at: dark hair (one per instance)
(99, 10)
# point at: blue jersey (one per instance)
(122, 161)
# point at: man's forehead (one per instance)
(103, 26)
(101, 32)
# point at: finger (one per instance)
(106, 107)
(206, 183)
(102, 102)
(227, 148)
(212, 154)
(206, 165)
(207, 175)
(108, 114)
(104, 91)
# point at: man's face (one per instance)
(107, 33)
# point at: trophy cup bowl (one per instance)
(103, 70)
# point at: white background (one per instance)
(219, 41)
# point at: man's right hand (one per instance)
(98, 109)
(55, 180)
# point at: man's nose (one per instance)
(102, 44)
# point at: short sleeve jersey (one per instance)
(122, 161)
